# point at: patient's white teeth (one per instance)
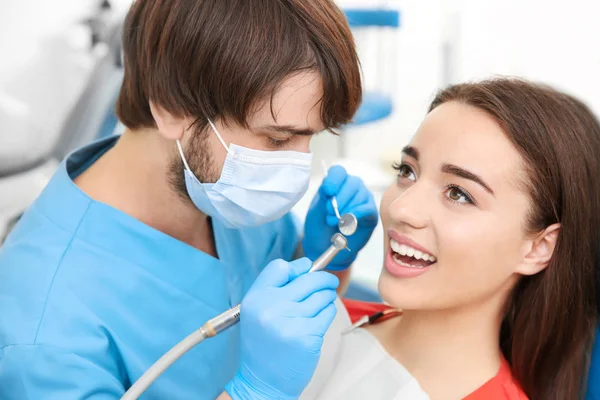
(403, 250)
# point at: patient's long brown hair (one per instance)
(548, 329)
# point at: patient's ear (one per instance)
(169, 126)
(539, 251)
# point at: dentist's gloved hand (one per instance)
(321, 222)
(284, 317)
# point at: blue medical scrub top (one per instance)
(593, 387)
(90, 297)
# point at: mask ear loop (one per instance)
(214, 128)
(185, 163)
(182, 156)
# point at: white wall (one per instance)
(443, 41)
(552, 41)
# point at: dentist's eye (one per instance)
(455, 194)
(277, 143)
(405, 171)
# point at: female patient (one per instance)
(491, 235)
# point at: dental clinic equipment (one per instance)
(347, 223)
(338, 242)
(215, 326)
(333, 199)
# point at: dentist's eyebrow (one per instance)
(288, 129)
(463, 173)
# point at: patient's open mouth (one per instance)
(410, 257)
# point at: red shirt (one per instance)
(501, 387)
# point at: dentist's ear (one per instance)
(169, 126)
(539, 251)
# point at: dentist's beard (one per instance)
(198, 155)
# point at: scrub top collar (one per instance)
(105, 227)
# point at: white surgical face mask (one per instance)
(255, 186)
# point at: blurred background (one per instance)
(60, 72)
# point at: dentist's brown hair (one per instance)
(219, 58)
(548, 328)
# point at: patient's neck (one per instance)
(450, 352)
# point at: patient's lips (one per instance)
(407, 258)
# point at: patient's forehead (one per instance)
(459, 134)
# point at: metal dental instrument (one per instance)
(347, 223)
(334, 202)
(215, 326)
(335, 207)
(338, 243)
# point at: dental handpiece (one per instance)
(232, 316)
(338, 243)
(217, 325)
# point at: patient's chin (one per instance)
(405, 293)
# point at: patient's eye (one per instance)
(405, 171)
(458, 195)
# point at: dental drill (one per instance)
(215, 326)
(338, 243)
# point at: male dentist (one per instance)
(139, 239)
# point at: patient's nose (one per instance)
(411, 207)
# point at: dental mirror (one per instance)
(348, 224)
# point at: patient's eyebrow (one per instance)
(411, 152)
(463, 173)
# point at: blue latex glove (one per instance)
(321, 222)
(284, 317)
